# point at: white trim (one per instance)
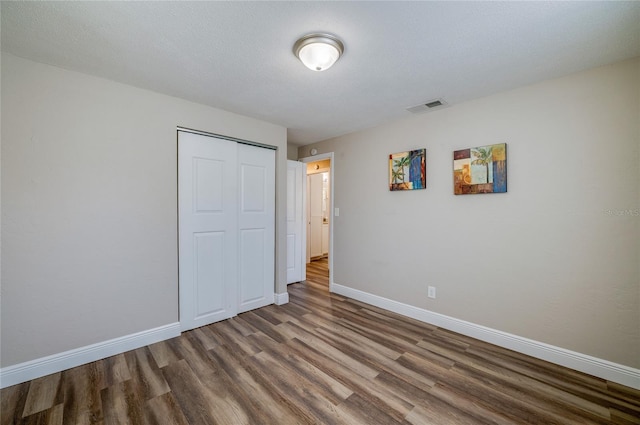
(604, 369)
(16, 374)
(282, 298)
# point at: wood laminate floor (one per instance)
(320, 359)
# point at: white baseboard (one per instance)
(581, 362)
(16, 374)
(282, 298)
(604, 369)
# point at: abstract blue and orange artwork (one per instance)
(480, 170)
(408, 170)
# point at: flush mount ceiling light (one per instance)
(318, 51)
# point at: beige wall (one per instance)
(292, 152)
(556, 259)
(89, 211)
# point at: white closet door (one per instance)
(296, 267)
(208, 229)
(256, 224)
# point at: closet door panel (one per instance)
(256, 226)
(252, 265)
(209, 273)
(208, 229)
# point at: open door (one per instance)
(296, 266)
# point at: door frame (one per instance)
(332, 167)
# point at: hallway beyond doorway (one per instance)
(318, 274)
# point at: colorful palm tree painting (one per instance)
(408, 170)
(480, 170)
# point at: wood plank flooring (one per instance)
(321, 359)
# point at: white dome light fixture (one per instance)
(318, 51)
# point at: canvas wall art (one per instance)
(408, 170)
(480, 170)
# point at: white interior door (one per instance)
(315, 214)
(296, 267)
(208, 229)
(256, 223)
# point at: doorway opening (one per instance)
(319, 218)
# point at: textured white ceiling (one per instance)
(237, 55)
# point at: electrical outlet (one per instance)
(431, 292)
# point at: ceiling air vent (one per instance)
(427, 106)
